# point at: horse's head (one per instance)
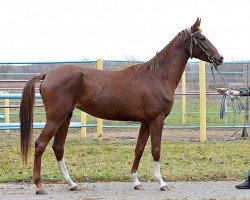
(200, 47)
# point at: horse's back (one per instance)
(70, 84)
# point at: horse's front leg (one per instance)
(141, 143)
(156, 127)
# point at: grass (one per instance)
(111, 161)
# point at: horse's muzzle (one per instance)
(219, 61)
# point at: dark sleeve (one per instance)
(244, 91)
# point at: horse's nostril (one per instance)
(221, 58)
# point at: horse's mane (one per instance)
(150, 65)
(153, 63)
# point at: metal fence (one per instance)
(13, 76)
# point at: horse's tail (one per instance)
(26, 115)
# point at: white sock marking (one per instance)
(65, 174)
(135, 179)
(157, 174)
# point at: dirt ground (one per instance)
(168, 134)
(132, 134)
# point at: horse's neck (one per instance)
(173, 59)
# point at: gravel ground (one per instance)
(122, 190)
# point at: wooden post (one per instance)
(202, 86)
(184, 98)
(99, 65)
(83, 122)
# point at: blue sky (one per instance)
(58, 30)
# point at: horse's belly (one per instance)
(111, 109)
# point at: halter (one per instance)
(195, 41)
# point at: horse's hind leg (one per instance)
(58, 147)
(53, 123)
(41, 143)
(141, 143)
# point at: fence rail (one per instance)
(99, 125)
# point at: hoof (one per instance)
(41, 191)
(73, 188)
(165, 188)
(138, 187)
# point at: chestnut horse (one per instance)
(143, 93)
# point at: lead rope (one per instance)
(237, 104)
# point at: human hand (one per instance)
(221, 90)
(228, 92)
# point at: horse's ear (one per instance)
(196, 26)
